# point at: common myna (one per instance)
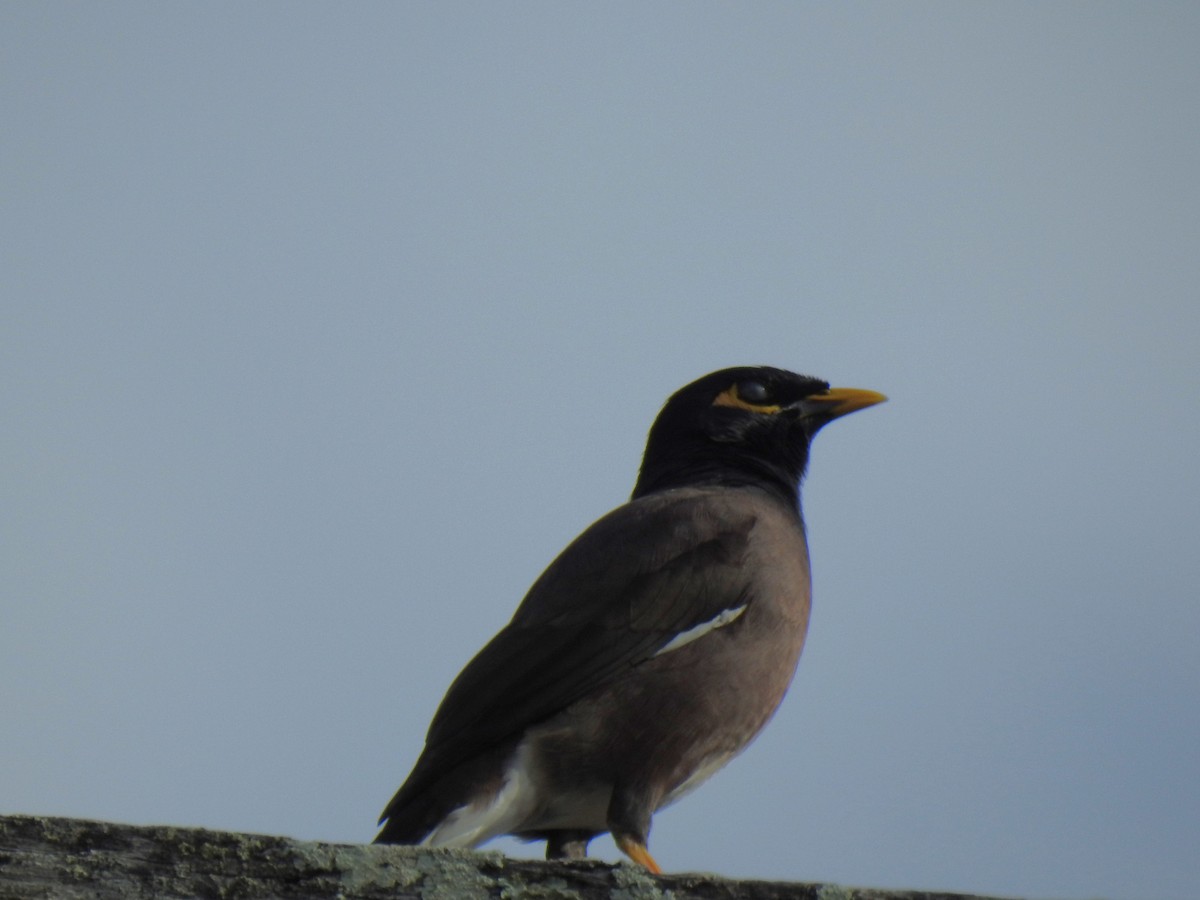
(652, 650)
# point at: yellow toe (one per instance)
(637, 851)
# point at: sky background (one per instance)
(323, 328)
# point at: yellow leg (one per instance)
(637, 851)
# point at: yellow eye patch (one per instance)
(730, 397)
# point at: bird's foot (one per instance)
(567, 844)
(636, 850)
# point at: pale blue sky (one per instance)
(324, 327)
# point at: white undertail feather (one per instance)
(474, 823)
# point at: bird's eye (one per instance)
(753, 392)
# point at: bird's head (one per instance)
(739, 426)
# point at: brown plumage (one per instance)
(652, 650)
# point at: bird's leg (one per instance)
(567, 844)
(629, 813)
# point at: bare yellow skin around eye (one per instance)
(730, 397)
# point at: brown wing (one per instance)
(623, 589)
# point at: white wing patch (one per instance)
(722, 619)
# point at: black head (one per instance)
(746, 425)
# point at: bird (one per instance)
(652, 650)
